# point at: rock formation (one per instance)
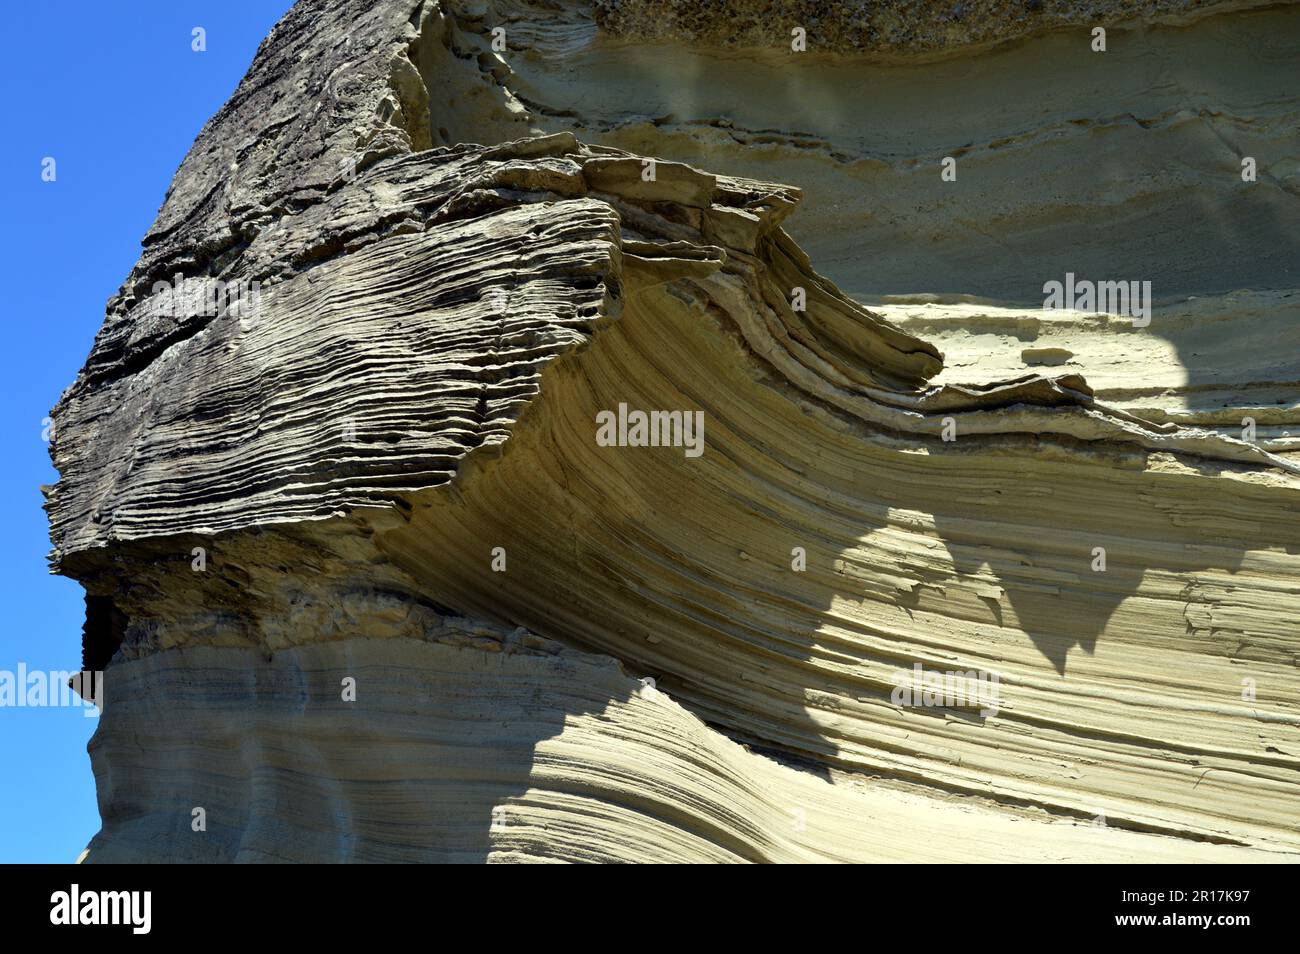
(368, 583)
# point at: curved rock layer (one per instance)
(1116, 165)
(397, 456)
(458, 754)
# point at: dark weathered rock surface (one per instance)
(893, 27)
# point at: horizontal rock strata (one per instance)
(458, 754)
(891, 28)
(1221, 363)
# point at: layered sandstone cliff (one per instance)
(368, 586)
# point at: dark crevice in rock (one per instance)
(102, 633)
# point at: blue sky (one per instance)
(115, 94)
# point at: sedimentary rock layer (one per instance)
(892, 28)
(1127, 161)
(1123, 165)
(392, 460)
(1222, 362)
(458, 754)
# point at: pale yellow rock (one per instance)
(454, 754)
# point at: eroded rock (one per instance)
(385, 469)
